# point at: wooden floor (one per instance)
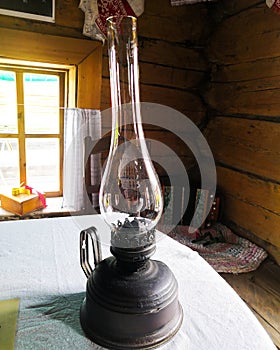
(261, 291)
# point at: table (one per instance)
(39, 262)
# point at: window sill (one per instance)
(53, 209)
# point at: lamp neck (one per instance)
(133, 257)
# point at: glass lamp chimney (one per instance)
(130, 194)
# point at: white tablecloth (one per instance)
(39, 262)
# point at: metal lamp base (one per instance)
(131, 305)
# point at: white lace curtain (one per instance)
(79, 123)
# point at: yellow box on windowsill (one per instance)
(22, 203)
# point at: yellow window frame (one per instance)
(21, 135)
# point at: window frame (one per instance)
(19, 68)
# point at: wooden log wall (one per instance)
(172, 65)
(244, 131)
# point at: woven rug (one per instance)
(221, 248)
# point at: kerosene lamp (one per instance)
(131, 300)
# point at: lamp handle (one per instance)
(84, 256)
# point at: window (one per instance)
(31, 126)
(75, 61)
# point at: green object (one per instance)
(8, 323)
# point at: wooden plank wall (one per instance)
(69, 21)
(244, 131)
(172, 64)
